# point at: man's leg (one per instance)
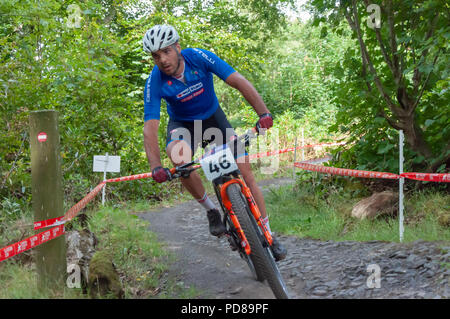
(180, 153)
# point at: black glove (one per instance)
(161, 174)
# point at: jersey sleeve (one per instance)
(214, 64)
(152, 97)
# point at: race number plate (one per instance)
(218, 162)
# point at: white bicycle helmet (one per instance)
(159, 37)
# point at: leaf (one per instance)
(429, 122)
(384, 148)
(323, 32)
(418, 159)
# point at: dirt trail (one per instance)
(313, 269)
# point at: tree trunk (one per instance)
(414, 136)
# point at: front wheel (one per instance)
(261, 257)
(235, 244)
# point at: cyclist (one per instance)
(183, 78)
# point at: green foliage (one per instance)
(293, 84)
(320, 208)
(392, 77)
(87, 62)
(132, 248)
(309, 76)
(10, 210)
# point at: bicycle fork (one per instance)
(253, 208)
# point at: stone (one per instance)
(444, 220)
(320, 292)
(415, 261)
(376, 205)
(104, 280)
(399, 254)
(355, 284)
(236, 291)
(80, 249)
(333, 285)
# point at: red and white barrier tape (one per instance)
(440, 178)
(291, 149)
(72, 212)
(49, 222)
(368, 174)
(58, 222)
(346, 172)
(129, 178)
(31, 242)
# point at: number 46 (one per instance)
(213, 167)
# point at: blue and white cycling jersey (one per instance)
(193, 100)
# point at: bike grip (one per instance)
(255, 131)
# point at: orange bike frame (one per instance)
(253, 208)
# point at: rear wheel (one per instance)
(261, 257)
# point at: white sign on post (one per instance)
(106, 164)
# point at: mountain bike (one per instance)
(246, 232)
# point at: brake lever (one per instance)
(187, 172)
(183, 172)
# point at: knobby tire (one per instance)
(262, 260)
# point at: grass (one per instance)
(315, 207)
(20, 282)
(306, 211)
(140, 260)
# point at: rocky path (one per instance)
(313, 268)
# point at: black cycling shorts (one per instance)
(216, 129)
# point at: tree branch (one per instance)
(393, 41)
(417, 74)
(430, 34)
(354, 24)
(445, 158)
(382, 46)
(13, 166)
(424, 85)
(392, 122)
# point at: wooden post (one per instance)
(47, 195)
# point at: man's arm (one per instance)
(151, 144)
(239, 82)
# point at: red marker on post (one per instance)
(42, 137)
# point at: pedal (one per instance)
(232, 243)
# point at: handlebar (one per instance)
(185, 170)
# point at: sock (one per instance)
(266, 222)
(206, 202)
